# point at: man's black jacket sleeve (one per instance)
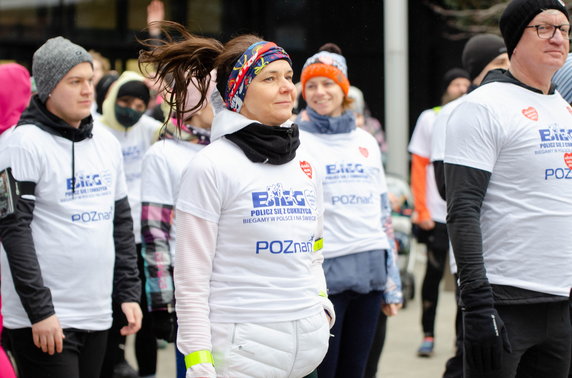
(465, 189)
(439, 170)
(126, 283)
(16, 236)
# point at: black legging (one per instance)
(437, 249)
(376, 347)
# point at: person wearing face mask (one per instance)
(123, 115)
(250, 291)
(360, 260)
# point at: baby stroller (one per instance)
(402, 207)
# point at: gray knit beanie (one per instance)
(53, 60)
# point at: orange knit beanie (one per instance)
(326, 64)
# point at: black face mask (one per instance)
(127, 117)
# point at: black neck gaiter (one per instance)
(267, 144)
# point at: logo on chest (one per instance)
(530, 113)
(306, 168)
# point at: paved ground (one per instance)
(399, 358)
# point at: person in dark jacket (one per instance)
(66, 227)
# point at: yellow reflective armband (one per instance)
(199, 357)
(318, 244)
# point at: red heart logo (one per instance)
(568, 159)
(306, 168)
(364, 151)
(530, 113)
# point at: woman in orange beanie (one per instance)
(360, 268)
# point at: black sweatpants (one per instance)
(81, 357)
(540, 336)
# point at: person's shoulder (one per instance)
(365, 136)
(449, 107)
(26, 135)
(306, 135)
(150, 123)
(172, 148)
(104, 138)
(428, 114)
(492, 93)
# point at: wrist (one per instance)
(477, 297)
(199, 357)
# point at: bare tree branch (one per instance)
(466, 22)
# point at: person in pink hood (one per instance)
(15, 96)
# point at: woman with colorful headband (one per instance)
(360, 267)
(249, 284)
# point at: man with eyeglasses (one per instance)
(507, 158)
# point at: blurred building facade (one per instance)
(300, 26)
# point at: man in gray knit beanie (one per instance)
(57, 292)
(53, 60)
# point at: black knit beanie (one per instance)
(519, 13)
(136, 89)
(101, 89)
(479, 51)
(452, 74)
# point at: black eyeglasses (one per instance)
(547, 31)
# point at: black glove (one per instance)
(484, 339)
(164, 325)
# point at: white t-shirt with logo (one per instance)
(72, 231)
(135, 141)
(438, 139)
(524, 139)
(420, 144)
(267, 218)
(163, 167)
(354, 180)
(439, 133)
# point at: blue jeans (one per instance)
(356, 321)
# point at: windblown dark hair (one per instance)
(178, 59)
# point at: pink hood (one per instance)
(15, 93)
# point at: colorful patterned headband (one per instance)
(254, 59)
